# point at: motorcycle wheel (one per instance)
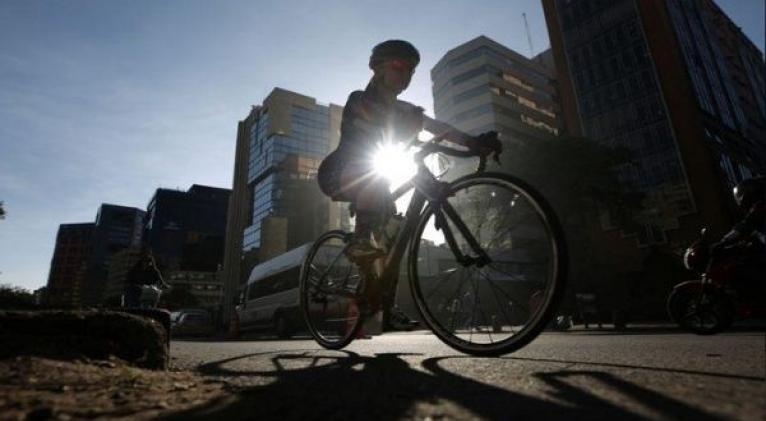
(705, 314)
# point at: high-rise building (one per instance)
(185, 231)
(482, 85)
(66, 280)
(677, 84)
(116, 228)
(276, 204)
(119, 267)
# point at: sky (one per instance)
(104, 102)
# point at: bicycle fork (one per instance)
(441, 224)
(437, 193)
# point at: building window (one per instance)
(518, 82)
(539, 125)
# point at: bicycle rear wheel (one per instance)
(330, 287)
(499, 307)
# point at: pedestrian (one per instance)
(144, 272)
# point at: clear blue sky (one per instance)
(103, 102)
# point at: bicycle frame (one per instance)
(433, 192)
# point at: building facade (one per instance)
(119, 266)
(116, 228)
(205, 287)
(676, 84)
(69, 264)
(185, 230)
(482, 85)
(276, 203)
(670, 81)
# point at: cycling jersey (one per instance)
(367, 121)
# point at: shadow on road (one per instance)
(659, 330)
(641, 367)
(315, 384)
(662, 404)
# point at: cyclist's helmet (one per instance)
(747, 192)
(394, 48)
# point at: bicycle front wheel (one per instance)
(330, 288)
(499, 306)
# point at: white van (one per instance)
(271, 299)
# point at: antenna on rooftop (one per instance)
(529, 36)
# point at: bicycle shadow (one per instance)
(344, 385)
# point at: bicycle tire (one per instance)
(539, 318)
(327, 336)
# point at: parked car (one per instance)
(191, 322)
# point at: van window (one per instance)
(291, 277)
(275, 283)
(251, 290)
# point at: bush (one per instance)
(16, 298)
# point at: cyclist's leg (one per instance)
(373, 203)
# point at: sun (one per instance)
(394, 162)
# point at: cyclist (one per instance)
(370, 117)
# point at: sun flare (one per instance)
(394, 163)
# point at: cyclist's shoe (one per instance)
(397, 320)
(362, 249)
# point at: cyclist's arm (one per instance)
(440, 128)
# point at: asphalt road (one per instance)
(572, 375)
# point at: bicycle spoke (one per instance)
(511, 276)
(328, 289)
(511, 227)
(505, 227)
(442, 281)
(478, 301)
(496, 288)
(457, 293)
(494, 291)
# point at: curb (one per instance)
(139, 340)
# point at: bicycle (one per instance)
(488, 232)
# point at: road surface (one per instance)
(571, 375)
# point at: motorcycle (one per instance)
(712, 303)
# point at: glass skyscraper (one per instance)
(306, 141)
(276, 204)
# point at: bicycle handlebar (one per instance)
(487, 144)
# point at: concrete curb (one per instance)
(140, 340)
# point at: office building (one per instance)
(276, 204)
(482, 85)
(680, 87)
(185, 230)
(118, 268)
(69, 264)
(116, 228)
(677, 84)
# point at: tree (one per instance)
(2, 211)
(16, 298)
(579, 178)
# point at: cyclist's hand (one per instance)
(488, 143)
